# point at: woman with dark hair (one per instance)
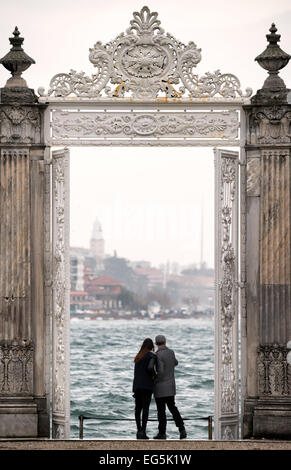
(143, 384)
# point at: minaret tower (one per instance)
(97, 241)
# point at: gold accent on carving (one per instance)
(117, 89)
(177, 93)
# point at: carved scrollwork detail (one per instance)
(211, 84)
(59, 431)
(78, 83)
(274, 377)
(227, 434)
(270, 125)
(61, 284)
(59, 399)
(227, 286)
(221, 125)
(19, 124)
(145, 63)
(16, 367)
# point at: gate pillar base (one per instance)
(247, 418)
(272, 421)
(18, 418)
(268, 419)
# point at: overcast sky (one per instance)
(147, 200)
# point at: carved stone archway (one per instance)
(145, 93)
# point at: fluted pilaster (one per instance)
(15, 321)
(275, 247)
(24, 325)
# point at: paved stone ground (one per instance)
(50, 444)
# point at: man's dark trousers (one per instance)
(161, 406)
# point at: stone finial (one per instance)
(16, 61)
(273, 59)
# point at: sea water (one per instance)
(102, 354)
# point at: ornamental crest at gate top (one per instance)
(145, 63)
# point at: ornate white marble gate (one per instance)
(61, 294)
(145, 93)
(226, 295)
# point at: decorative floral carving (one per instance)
(211, 84)
(227, 434)
(82, 124)
(145, 125)
(228, 286)
(145, 63)
(77, 83)
(16, 368)
(274, 377)
(58, 431)
(19, 124)
(60, 297)
(15, 114)
(270, 125)
(59, 399)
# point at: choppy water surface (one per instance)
(102, 365)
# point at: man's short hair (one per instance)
(160, 339)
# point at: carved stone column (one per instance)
(24, 325)
(267, 404)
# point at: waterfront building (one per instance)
(104, 292)
(196, 291)
(77, 268)
(79, 301)
(154, 277)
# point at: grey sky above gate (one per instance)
(148, 200)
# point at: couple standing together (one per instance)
(154, 373)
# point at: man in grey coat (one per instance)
(165, 388)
